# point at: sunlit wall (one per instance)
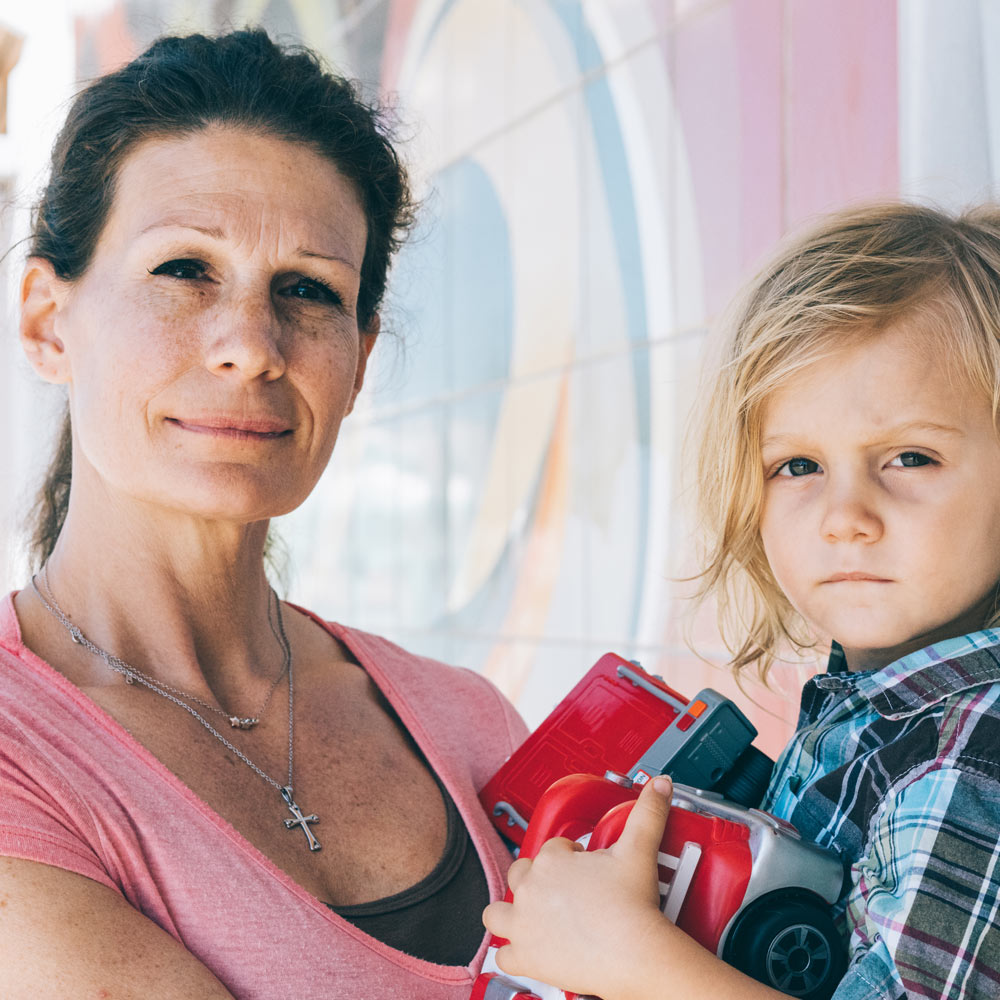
(598, 179)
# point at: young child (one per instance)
(849, 478)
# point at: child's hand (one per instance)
(579, 916)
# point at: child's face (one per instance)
(881, 518)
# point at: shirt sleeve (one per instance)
(42, 818)
(927, 895)
(494, 727)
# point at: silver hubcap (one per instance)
(798, 960)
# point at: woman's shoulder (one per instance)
(413, 669)
(426, 678)
(35, 698)
(51, 775)
(458, 709)
(397, 670)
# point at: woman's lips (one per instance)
(259, 429)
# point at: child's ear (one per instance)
(42, 294)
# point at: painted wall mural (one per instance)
(598, 178)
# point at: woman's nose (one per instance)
(244, 338)
(851, 515)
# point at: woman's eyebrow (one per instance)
(213, 232)
(303, 252)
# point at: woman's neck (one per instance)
(183, 599)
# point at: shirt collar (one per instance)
(925, 677)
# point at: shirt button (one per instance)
(794, 784)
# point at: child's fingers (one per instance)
(516, 872)
(558, 845)
(643, 829)
(520, 868)
(504, 959)
(496, 918)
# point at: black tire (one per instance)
(789, 944)
(748, 778)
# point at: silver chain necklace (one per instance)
(132, 675)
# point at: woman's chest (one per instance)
(361, 793)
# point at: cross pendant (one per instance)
(300, 820)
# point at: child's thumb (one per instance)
(643, 829)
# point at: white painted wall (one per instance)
(38, 90)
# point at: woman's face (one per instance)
(212, 347)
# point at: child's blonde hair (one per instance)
(856, 274)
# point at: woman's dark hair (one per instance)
(179, 86)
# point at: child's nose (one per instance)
(850, 516)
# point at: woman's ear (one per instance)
(368, 337)
(42, 295)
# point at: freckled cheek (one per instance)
(123, 387)
(329, 372)
(325, 387)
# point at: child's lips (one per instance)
(856, 577)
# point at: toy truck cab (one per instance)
(619, 717)
(739, 881)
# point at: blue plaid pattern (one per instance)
(898, 770)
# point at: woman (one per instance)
(204, 792)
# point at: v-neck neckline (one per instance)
(356, 642)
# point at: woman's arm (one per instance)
(83, 940)
(589, 921)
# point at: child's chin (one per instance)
(885, 644)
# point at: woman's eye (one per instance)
(911, 459)
(798, 467)
(311, 289)
(185, 269)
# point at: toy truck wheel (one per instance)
(789, 944)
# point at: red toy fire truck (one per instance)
(623, 719)
(739, 881)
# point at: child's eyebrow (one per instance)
(895, 431)
(923, 425)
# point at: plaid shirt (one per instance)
(898, 771)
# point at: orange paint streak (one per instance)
(509, 663)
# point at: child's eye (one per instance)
(798, 467)
(185, 269)
(911, 459)
(313, 289)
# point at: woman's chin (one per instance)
(241, 500)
